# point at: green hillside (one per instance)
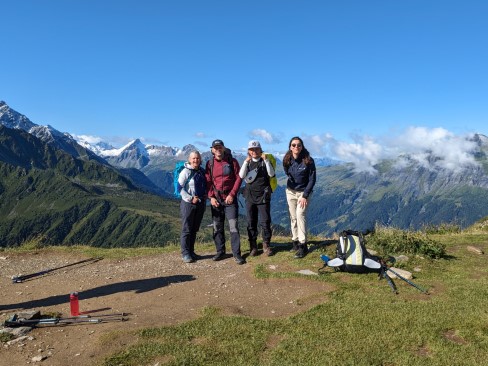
(49, 197)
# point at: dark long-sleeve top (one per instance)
(301, 176)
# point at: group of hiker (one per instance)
(220, 182)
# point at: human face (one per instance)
(218, 151)
(254, 152)
(194, 160)
(296, 147)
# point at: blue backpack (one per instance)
(180, 165)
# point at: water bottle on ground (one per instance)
(74, 304)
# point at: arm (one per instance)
(183, 179)
(208, 178)
(237, 183)
(269, 165)
(243, 171)
(312, 177)
(269, 168)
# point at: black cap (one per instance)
(217, 143)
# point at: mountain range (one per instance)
(401, 192)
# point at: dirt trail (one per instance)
(156, 291)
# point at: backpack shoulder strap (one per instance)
(341, 251)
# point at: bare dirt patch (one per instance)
(157, 291)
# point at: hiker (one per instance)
(256, 171)
(193, 203)
(300, 169)
(223, 183)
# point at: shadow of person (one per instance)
(137, 286)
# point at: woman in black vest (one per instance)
(256, 171)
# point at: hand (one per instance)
(229, 200)
(214, 202)
(248, 159)
(302, 202)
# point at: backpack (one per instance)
(179, 166)
(273, 181)
(352, 255)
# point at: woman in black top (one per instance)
(300, 169)
(256, 171)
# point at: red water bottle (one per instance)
(73, 304)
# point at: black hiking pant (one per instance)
(191, 218)
(219, 214)
(259, 213)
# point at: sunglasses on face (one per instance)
(296, 145)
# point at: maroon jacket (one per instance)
(223, 179)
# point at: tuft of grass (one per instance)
(388, 240)
(442, 229)
(480, 225)
(5, 337)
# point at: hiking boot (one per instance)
(239, 259)
(267, 250)
(253, 249)
(219, 256)
(302, 251)
(295, 246)
(254, 252)
(196, 257)
(187, 259)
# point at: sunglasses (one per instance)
(296, 145)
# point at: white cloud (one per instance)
(265, 136)
(88, 138)
(430, 147)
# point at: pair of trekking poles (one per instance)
(15, 321)
(384, 273)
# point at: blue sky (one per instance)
(348, 76)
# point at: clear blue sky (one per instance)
(179, 72)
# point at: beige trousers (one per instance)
(297, 216)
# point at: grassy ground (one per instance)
(361, 323)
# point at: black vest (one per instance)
(259, 191)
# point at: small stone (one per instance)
(307, 272)
(401, 272)
(38, 358)
(474, 249)
(402, 258)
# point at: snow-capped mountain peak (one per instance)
(12, 119)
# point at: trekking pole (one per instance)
(19, 279)
(388, 279)
(407, 281)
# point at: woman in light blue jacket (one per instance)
(193, 203)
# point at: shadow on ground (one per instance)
(137, 286)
